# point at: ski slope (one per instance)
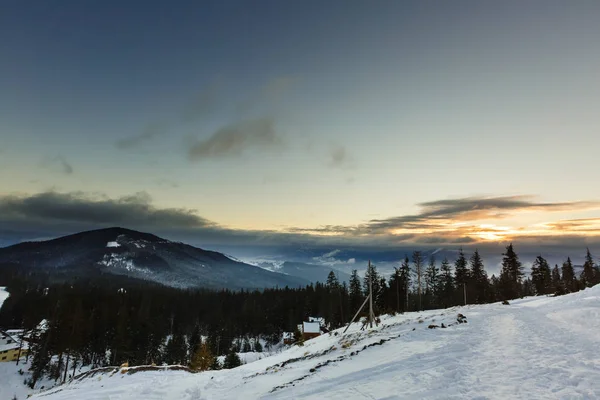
(535, 348)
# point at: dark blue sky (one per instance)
(306, 117)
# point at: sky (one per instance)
(283, 124)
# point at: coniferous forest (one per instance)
(111, 320)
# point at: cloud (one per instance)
(59, 164)
(52, 214)
(466, 220)
(340, 158)
(150, 132)
(168, 183)
(236, 139)
(269, 95)
(81, 208)
(202, 105)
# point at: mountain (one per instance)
(311, 272)
(144, 256)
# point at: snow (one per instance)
(535, 348)
(113, 244)
(11, 381)
(3, 295)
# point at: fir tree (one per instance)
(461, 276)
(332, 281)
(557, 285)
(568, 276)
(432, 284)
(478, 279)
(447, 284)
(405, 281)
(511, 274)
(203, 359)
(371, 275)
(246, 346)
(589, 275)
(257, 346)
(232, 360)
(541, 277)
(356, 297)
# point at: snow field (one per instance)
(535, 348)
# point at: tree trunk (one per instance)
(66, 368)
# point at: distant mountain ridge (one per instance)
(139, 255)
(311, 272)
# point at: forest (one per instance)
(109, 321)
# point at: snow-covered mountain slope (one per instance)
(535, 348)
(119, 251)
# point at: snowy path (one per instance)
(536, 348)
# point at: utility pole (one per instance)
(398, 290)
(417, 260)
(371, 315)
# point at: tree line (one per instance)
(111, 321)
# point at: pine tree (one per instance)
(432, 281)
(405, 281)
(332, 281)
(246, 347)
(194, 341)
(511, 274)
(446, 284)
(356, 296)
(372, 275)
(203, 359)
(257, 346)
(478, 279)
(541, 277)
(588, 276)
(232, 360)
(461, 276)
(568, 276)
(557, 285)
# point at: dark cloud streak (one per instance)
(150, 132)
(236, 139)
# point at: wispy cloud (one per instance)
(440, 223)
(59, 164)
(339, 157)
(150, 132)
(203, 104)
(466, 220)
(236, 139)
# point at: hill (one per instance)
(139, 255)
(535, 348)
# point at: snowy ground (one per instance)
(536, 348)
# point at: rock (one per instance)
(506, 303)
(443, 326)
(432, 326)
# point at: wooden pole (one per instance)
(356, 315)
(370, 296)
(465, 292)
